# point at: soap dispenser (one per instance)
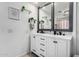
(55, 33)
(60, 33)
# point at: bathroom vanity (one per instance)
(48, 45)
(52, 18)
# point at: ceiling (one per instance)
(38, 4)
(47, 9)
(59, 6)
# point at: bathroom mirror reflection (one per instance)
(61, 15)
(45, 17)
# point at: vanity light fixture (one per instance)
(24, 9)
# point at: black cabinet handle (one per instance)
(42, 50)
(33, 36)
(42, 44)
(42, 55)
(42, 39)
(55, 42)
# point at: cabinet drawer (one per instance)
(42, 52)
(42, 40)
(43, 46)
(33, 50)
(42, 55)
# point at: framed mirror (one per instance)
(44, 17)
(63, 16)
(56, 16)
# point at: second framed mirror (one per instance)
(63, 16)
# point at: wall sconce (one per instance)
(24, 9)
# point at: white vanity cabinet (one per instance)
(38, 45)
(47, 45)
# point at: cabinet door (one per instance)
(33, 43)
(38, 44)
(61, 48)
(51, 48)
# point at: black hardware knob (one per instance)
(55, 41)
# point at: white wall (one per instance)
(74, 29)
(34, 14)
(16, 42)
(77, 29)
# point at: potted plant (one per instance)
(32, 22)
